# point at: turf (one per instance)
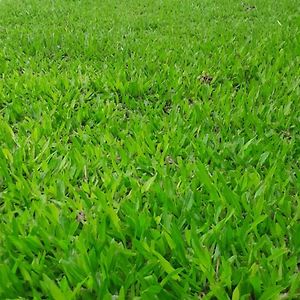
(149, 149)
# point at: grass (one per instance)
(149, 149)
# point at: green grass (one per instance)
(149, 149)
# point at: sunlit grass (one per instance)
(149, 149)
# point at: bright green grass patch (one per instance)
(149, 149)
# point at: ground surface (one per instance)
(149, 149)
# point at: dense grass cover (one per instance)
(149, 149)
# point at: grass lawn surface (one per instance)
(149, 149)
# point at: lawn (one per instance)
(149, 149)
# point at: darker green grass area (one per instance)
(149, 149)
